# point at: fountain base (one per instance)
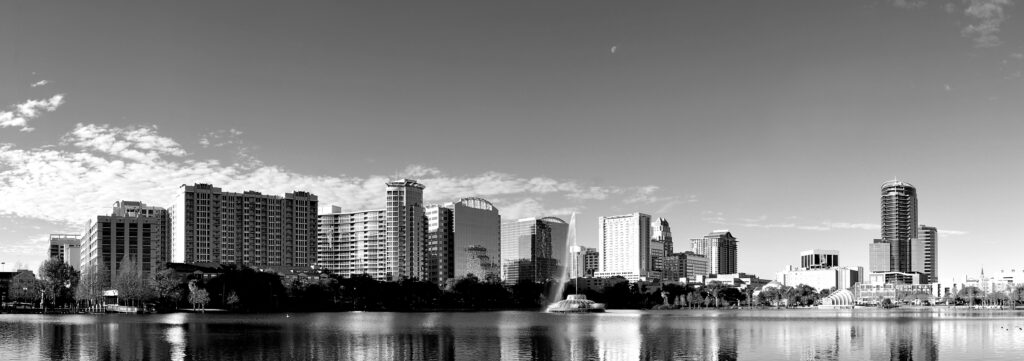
(577, 303)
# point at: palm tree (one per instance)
(714, 289)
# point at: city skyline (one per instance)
(782, 137)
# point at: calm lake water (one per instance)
(617, 335)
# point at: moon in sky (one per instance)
(613, 48)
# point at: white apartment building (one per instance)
(624, 247)
(353, 243)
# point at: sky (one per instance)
(778, 120)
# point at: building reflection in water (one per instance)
(613, 336)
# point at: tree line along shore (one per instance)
(62, 289)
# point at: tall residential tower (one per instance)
(250, 228)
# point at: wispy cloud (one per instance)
(908, 4)
(989, 15)
(21, 114)
(141, 144)
(221, 138)
(40, 83)
(231, 138)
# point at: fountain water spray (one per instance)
(575, 303)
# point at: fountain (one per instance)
(574, 303)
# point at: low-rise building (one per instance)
(686, 265)
(839, 278)
(873, 294)
(881, 278)
(739, 280)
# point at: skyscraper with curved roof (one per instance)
(899, 222)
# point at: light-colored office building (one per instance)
(66, 248)
(353, 243)
(720, 248)
(134, 236)
(624, 244)
(526, 251)
(686, 265)
(250, 228)
(839, 278)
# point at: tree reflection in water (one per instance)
(619, 335)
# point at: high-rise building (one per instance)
(353, 243)
(476, 224)
(720, 248)
(583, 261)
(899, 223)
(661, 243)
(819, 259)
(686, 264)
(66, 248)
(926, 258)
(110, 240)
(440, 257)
(406, 230)
(526, 251)
(250, 228)
(625, 247)
(456, 234)
(559, 241)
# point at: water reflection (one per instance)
(695, 335)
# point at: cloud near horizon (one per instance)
(96, 165)
(22, 114)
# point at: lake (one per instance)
(514, 335)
